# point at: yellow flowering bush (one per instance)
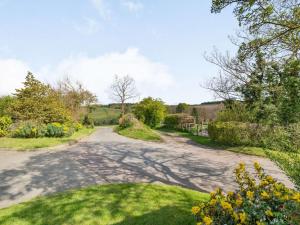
(260, 200)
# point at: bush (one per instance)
(259, 200)
(29, 129)
(272, 137)
(88, 122)
(128, 120)
(5, 123)
(174, 121)
(150, 111)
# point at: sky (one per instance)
(159, 43)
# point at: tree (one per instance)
(150, 111)
(122, 90)
(39, 102)
(74, 96)
(195, 114)
(182, 107)
(271, 26)
(5, 103)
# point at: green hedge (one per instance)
(272, 137)
(174, 121)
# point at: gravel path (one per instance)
(106, 157)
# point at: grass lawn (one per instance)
(116, 204)
(139, 131)
(35, 143)
(206, 141)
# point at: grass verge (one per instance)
(139, 131)
(35, 143)
(288, 162)
(116, 204)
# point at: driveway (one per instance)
(106, 157)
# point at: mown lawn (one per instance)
(116, 204)
(139, 131)
(35, 143)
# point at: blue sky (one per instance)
(159, 43)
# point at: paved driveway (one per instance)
(106, 157)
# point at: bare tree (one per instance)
(122, 90)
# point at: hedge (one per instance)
(174, 121)
(272, 137)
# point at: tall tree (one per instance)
(122, 90)
(182, 107)
(271, 26)
(39, 102)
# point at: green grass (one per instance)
(139, 131)
(288, 162)
(206, 141)
(116, 204)
(35, 143)
(105, 115)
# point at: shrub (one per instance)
(272, 137)
(5, 122)
(150, 111)
(127, 120)
(174, 121)
(29, 129)
(88, 122)
(55, 130)
(259, 200)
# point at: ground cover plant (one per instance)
(259, 200)
(129, 126)
(118, 204)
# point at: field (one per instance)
(105, 115)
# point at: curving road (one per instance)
(106, 157)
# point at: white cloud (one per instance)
(12, 75)
(102, 8)
(96, 73)
(90, 26)
(132, 6)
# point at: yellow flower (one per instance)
(269, 213)
(277, 194)
(264, 195)
(235, 216)
(230, 193)
(260, 223)
(195, 209)
(263, 183)
(257, 166)
(250, 195)
(207, 220)
(243, 217)
(270, 179)
(213, 202)
(226, 205)
(239, 201)
(296, 197)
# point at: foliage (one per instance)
(174, 121)
(289, 162)
(182, 107)
(150, 111)
(118, 204)
(5, 103)
(129, 126)
(272, 26)
(88, 122)
(74, 96)
(29, 129)
(127, 120)
(35, 143)
(60, 130)
(5, 123)
(38, 101)
(259, 200)
(272, 137)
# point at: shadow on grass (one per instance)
(126, 204)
